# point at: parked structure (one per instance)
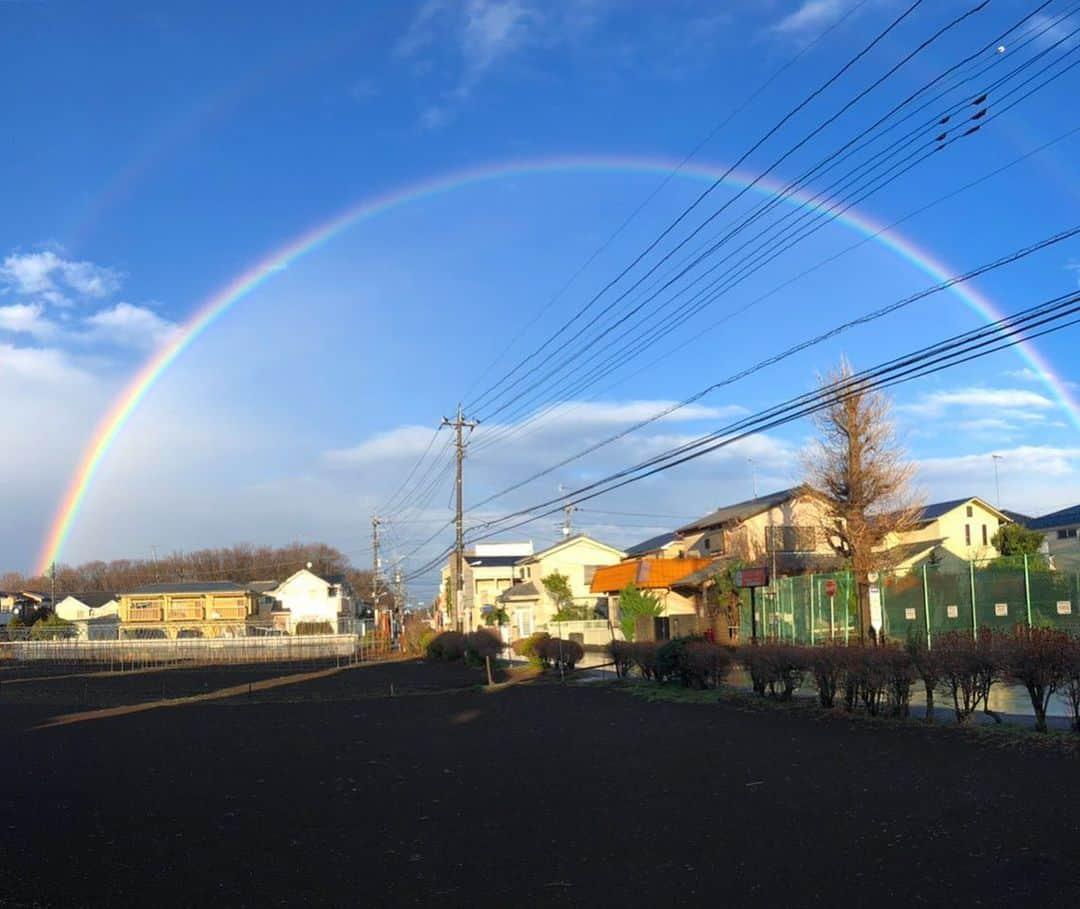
(306, 599)
(579, 557)
(208, 609)
(95, 615)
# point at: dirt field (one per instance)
(330, 792)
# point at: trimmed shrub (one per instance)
(695, 662)
(1038, 659)
(756, 662)
(644, 655)
(622, 655)
(1072, 679)
(969, 670)
(530, 647)
(828, 665)
(482, 645)
(415, 635)
(303, 628)
(779, 669)
(556, 652)
(929, 668)
(51, 628)
(446, 645)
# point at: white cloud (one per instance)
(40, 365)
(127, 325)
(1020, 403)
(811, 15)
(26, 318)
(51, 277)
(402, 442)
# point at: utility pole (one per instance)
(375, 522)
(997, 482)
(52, 596)
(568, 519)
(399, 594)
(459, 423)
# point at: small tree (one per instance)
(1015, 542)
(861, 471)
(497, 616)
(722, 596)
(634, 603)
(557, 586)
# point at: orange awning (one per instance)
(648, 574)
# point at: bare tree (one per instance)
(862, 471)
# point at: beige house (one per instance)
(665, 546)
(209, 609)
(782, 531)
(489, 570)
(528, 603)
(958, 530)
(1061, 530)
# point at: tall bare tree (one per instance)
(860, 467)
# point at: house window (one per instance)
(1070, 533)
(590, 573)
(970, 511)
(331, 591)
(790, 538)
(706, 544)
(967, 534)
(985, 538)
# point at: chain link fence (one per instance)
(921, 603)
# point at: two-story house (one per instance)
(489, 570)
(960, 530)
(208, 609)
(305, 599)
(782, 531)
(577, 558)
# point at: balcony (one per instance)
(185, 613)
(224, 613)
(145, 614)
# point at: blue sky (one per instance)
(157, 151)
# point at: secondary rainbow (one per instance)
(243, 284)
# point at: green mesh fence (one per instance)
(922, 603)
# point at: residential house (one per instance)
(782, 530)
(95, 615)
(23, 602)
(1062, 532)
(209, 609)
(657, 576)
(305, 598)
(530, 606)
(960, 530)
(664, 546)
(489, 569)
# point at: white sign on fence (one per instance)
(952, 611)
(1064, 607)
(1001, 609)
(909, 614)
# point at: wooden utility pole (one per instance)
(460, 424)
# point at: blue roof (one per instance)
(1066, 516)
(657, 542)
(931, 512)
(495, 561)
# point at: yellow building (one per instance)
(957, 530)
(489, 569)
(578, 558)
(208, 609)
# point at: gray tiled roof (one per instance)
(740, 511)
(651, 544)
(1062, 518)
(524, 589)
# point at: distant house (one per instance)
(189, 609)
(23, 602)
(664, 546)
(781, 530)
(660, 577)
(957, 530)
(95, 614)
(489, 569)
(578, 558)
(1062, 532)
(306, 598)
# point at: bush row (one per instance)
(546, 652)
(879, 679)
(475, 647)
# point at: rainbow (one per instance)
(250, 280)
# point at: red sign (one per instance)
(752, 577)
(830, 588)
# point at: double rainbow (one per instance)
(251, 279)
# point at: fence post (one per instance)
(974, 616)
(1027, 589)
(847, 606)
(926, 604)
(811, 610)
